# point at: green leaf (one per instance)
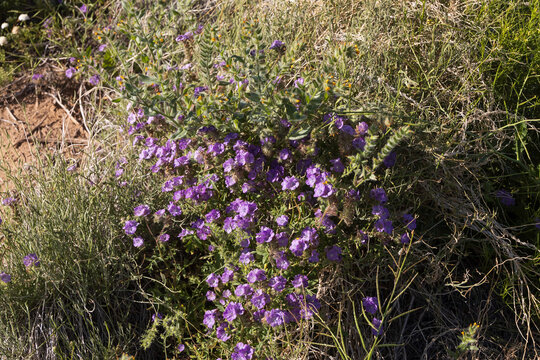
(299, 133)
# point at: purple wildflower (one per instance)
(277, 45)
(36, 77)
(405, 239)
(359, 143)
(130, 227)
(300, 281)
(227, 276)
(410, 221)
(337, 165)
(377, 328)
(221, 334)
(210, 295)
(138, 241)
(102, 47)
(260, 299)
(278, 283)
(265, 235)
(5, 277)
(213, 280)
(232, 311)
(94, 80)
(334, 253)
(256, 275)
(275, 317)
(282, 220)
(83, 8)
(390, 160)
(31, 260)
(243, 290)
(298, 246)
(384, 226)
(180, 347)
(379, 195)
(70, 72)
(209, 318)
(371, 304)
(141, 210)
(164, 237)
(289, 183)
(242, 352)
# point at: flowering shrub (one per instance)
(265, 183)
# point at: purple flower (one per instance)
(221, 334)
(232, 311)
(36, 77)
(164, 237)
(298, 246)
(314, 258)
(384, 226)
(83, 8)
(130, 227)
(333, 253)
(377, 328)
(94, 80)
(289, 183)
(300, 281)
(278, 283)
(405, 239)
(227, 276)
(243, 290)
(174, 210)
(410, 221)
(359, 143)
(275, 317)
(210, 318)
(371, 304)
(284, 154)
(9, 201)
(390, 160)
(277, 45)
(242, 352)
(246, 257)
(138, 241)
(260, 299)
(505, 198)
(381, 212)
(141, 210)
(198, 90)
(282, 220)
(213, 280)
(157, 316)
(256, 275)
(337, 165)
(31, 260)
(281, 260)
(180, 347)
(282, 239)
(299, 81)
(210, 295)
(5, 277)
(102, 47)
(184, 37)
(362, 128)
(265, 235)
(379, 195)
(70, 72)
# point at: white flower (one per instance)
(3, 40)
(24, 17)
(4, 25)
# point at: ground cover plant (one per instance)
(361, 183)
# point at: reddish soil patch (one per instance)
(37, 117)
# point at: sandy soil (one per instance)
(38, 117)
